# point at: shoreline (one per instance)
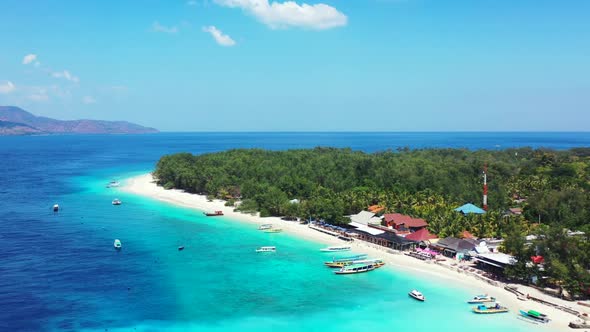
(144, 185)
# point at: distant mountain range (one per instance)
(16, 121)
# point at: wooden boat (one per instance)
(266, 249)
(356, 268)
(490, 309)
(481, 299)
(273, 230)
(117, 201)
(417, 295)
(264, 226)
(117, 244)
(535, 316)
(336, 248)
(377, 262)
(213, 214)
(346, 259)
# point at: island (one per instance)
(16, 121)
(535, 224)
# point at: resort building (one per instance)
(495, 262)
(384, 238)
(454, 247)
(403, 223)
(364, 218)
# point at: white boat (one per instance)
(417, 295)
(481, 299)
(117, 201)
(117, 244)
(113, 184)
(356, 268)
(266, 249)
(56, 208)
(264, 226)
(336, 248)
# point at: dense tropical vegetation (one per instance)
(551, 187)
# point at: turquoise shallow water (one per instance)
(218, 283)
(59, 272)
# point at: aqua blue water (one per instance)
(59, 272)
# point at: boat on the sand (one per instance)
(534, 316)
(482, 299)
(489, 309)
(336, 248)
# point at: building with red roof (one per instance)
(421, 235)
(402, 222)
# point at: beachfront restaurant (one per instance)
(454, 247)
(495, 262)
(385, 239)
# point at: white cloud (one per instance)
(287, 14)
(7, 87)
(66, 74)
(157, 27)
(88, 100)
(220, 38)
(29, 58)
(40, 96)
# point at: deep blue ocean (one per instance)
(59, 272)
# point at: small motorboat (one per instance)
(267, 249)
(213, 214)
(535, 316)
(181, 248)
(490, 309)
(273, 230)
(113, 184)
(264, 226)
(117, 244)
(481, 299)
(117, 201)
(336, 248)
(417, 295)
(55, 208)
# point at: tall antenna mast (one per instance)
(485, 187)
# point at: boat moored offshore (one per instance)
(377, 262)
(336, 248)
(266, 249)
(117, 244)
(264, 226)
(213, 214)
(417, 295)
(113, 184)
(346, 259)
(117, 201)
(356, 268)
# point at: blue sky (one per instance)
(318, 65)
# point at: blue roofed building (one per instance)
(470, 208)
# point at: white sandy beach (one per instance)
(144, 185)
